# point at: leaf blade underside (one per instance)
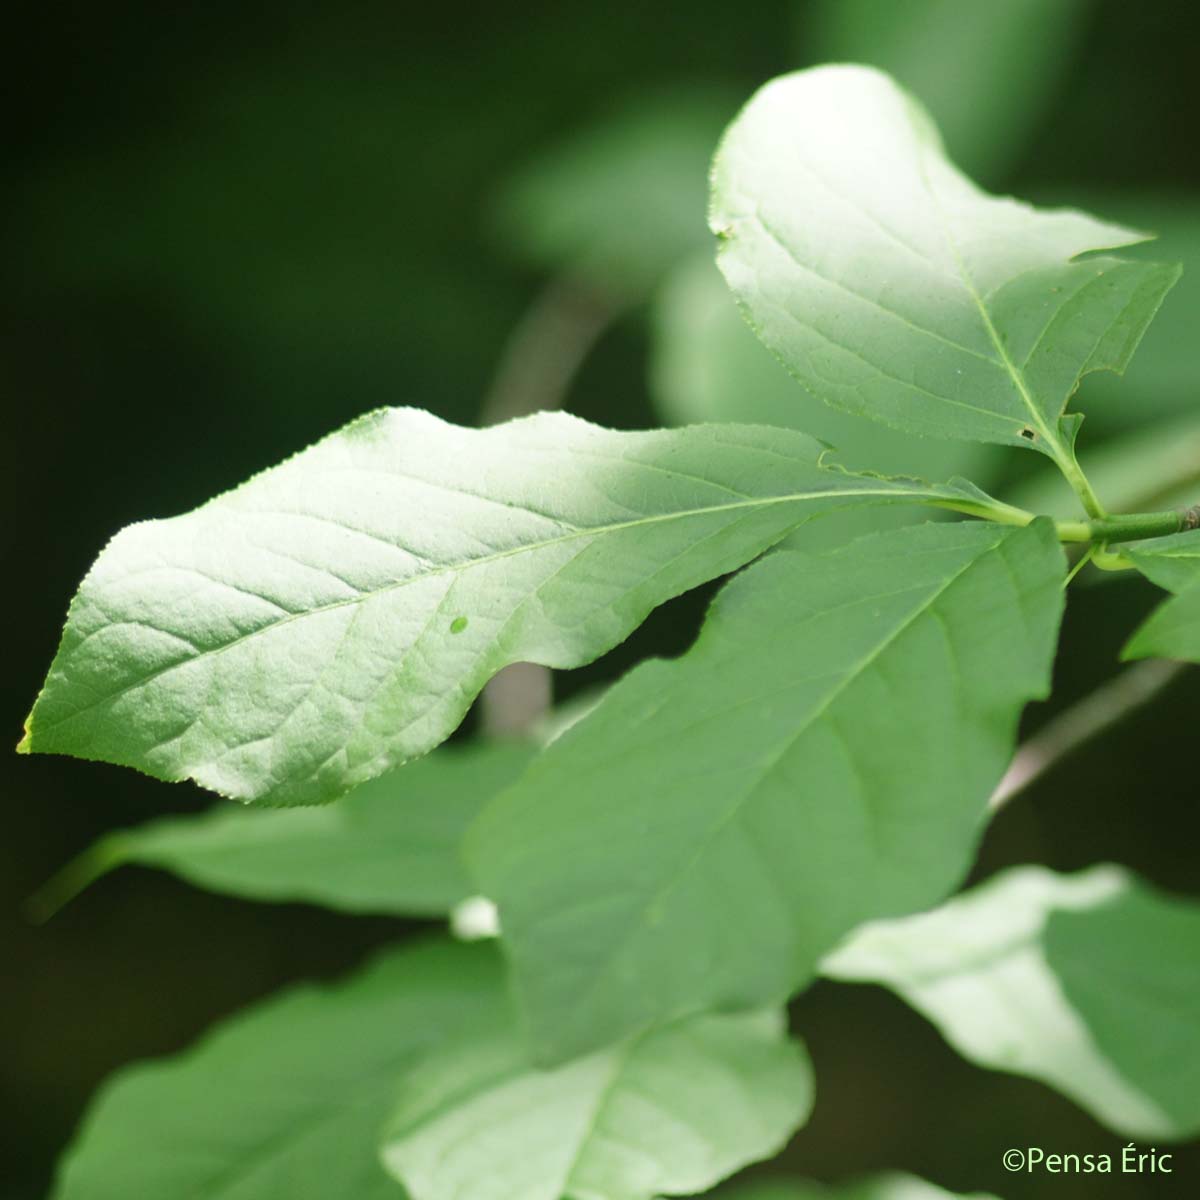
(891, 286)
(336, 615)
(389, 846)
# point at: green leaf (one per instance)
(890, 1186)
(822, 755)
(623, 199)
(985, 71)
(1161, 382)
(665, 1113)
(390, 846)
(336, 615)
(893, 287)
(707, 365)
(1173, 629)
(1171, 562)
(286, 1099)
(1090, 983)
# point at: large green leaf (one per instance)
(985, 71)
(667, 1112)
(822, 755)
(889, 1186)
(286, 1099)
(1090, 983)
(390, 846)
(890, 285)
(336, 615)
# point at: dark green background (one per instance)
(233, 227)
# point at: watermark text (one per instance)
(1132, 1160)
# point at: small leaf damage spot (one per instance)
(458, 624)
(1028, 434)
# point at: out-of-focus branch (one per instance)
(1091, 716)
(537, 366)
(545, 350)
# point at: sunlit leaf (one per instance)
(707, 365)
(891, 286)
(336, 615)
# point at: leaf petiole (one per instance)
(1068, 464)
(1124, 527)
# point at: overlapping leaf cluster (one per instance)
(718, 829)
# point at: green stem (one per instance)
(1068, 464)
(1131, 527)
(1126, 527)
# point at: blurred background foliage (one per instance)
(232, 228)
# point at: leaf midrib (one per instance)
(462, 567)
(1006, 360)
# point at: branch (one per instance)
(1105, 707)
(545, 350)
(536, 368)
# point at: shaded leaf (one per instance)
(1173, 629)
(336, 615)
(1171, 562)
(1090, 983)
(288, 1097)
(665, 1113)
(891, 286)
(822, 755)
(389, 846)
